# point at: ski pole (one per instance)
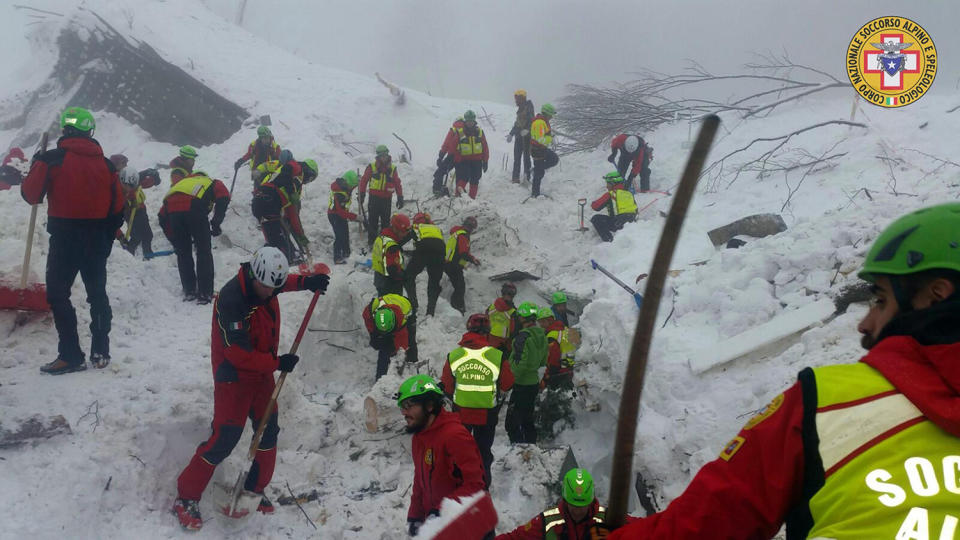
(637, 364)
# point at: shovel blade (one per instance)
(239, 503)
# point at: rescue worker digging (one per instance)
(339, 214)
(528, 354)
(428, 253)
(275, 207)
(387, 256)
(456, 259)
(261, 149)
(504, 321)
(392, 326)
(383, 181)
(620, 205)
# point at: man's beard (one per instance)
(417, 427)
(867, 341)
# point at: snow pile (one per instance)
(136, 423)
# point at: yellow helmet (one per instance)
(520, 92)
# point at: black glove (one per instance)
(238, 163)
(440, 159)
(287, 362)
(399, 201)
(484, 166)
(413, 526)
(610, 158)
(317, 282)
(215, 229)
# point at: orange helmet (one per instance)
(422, 217)
(400, 222)
(479, 323)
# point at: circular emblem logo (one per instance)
(891, 61)
(428, 456)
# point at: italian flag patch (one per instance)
(891, 101)
(236, 325)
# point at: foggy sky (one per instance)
(487, 49)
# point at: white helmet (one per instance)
(631, 144)
(129, 177)
(270, 266)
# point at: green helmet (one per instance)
(544, 313)
(548, 109)
(78, 118)
(417, 385)
(350, 178)
(528, 309)
(559, 297)
(578, 487)
(188, 152)
(923, 240)
(470, 116)
(382, 149)
(264, 131)
(384, 319)
(613, 177)
(312, 165)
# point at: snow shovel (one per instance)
(637, 297)
(241, 501)
(34, 296)
(623, 453)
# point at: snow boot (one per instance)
(99, 360)
(189, 297)
(204, 299)
(188, 512)
(61, 366)
(265, 507)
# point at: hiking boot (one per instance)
(188, 512)
(60, 366)
(265, 507)
(99, 360)
(189, 297)
(204, 299)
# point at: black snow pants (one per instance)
(540, 166)
(521, 152)
(378, 216)
(189, 230)
(455, 273)
(428, 254)
(606, 224)
(445, 167)
(341, 237)
(521, 414)
(140, 233)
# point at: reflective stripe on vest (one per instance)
(540, 132)
(346, 196)
(552, 518)
(469, 145)
(500, 321)
(567, 349)
(623, 202)
(888, 472)
(140, 196)
(476, 372)
(269, 170)
(427, 230)
(378, 180)
(195, 186)
(393, 300)
(379, 257)
(452, 247)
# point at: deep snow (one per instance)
(155, 399)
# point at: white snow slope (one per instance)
(136, 423)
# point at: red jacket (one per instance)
(214, 197)
(245, 332)
(14, 152)
(258, 153)
(462, 250)
(749, 495)
(78, 181)
(339, 200)
(457, 158)
(571, 530)
(477, 417)
(446, 465)
(452, 139)
(394, 265)
(401, 338)
(605, 199)
(392, 184)
(644, 152)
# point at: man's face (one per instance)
(263, 292)
(561, 307)
(544, 323)
(884, 305)
(189, 161)
(508, 297)
(264, 139)
(578, 513)
(415, 414)
(518, 99)
(470, 123)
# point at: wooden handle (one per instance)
(25, 270)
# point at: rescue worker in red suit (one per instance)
(504, 320)
(392, 326)
(474, 358)
(620, 206)
(471, 155)
(456, 259)
(863, 450)
(387, 256)
(383, 181)
(445, 159)
(244, 354)
(10, 172)
(635, 154)
(139, 233)
(183, 218)
(446, 462)
(275, 205)
(182, 165)
(339, 214)
(558, 374)
(428, 253)
(260, 150)
(84, 211)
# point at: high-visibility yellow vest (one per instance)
(140, 197)
(393, 300)
(195, 186)
(469, 145)
(379, 256)
(427, 230)
(452, 247)
(267, 170)
(379, 179)
(476, 372)
(540, 132)
(553, 522)
(888, 471)
(623, 202)
(500, 321)
(346, 198)
(567, 348)
(274, 147)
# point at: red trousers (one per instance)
(233, 403)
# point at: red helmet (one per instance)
(470, 224)
(422, 217)
(400, 222)
(479, 323)
(508, 288)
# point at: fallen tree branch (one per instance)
(310, 521)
